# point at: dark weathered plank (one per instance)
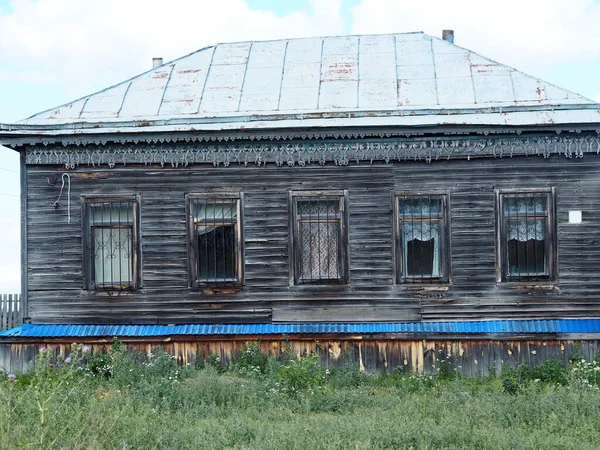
(24, 239)
(54, 247)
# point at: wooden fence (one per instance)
(10, 311)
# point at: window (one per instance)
(527, 237)
(111, 250)
(215, 239)
(422, 246)
(319, 238)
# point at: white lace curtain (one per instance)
(416, 207)
(525, 218)
(422, 231)
(526, 229)
(419, 215)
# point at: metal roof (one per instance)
(412, 77)
(561, 326)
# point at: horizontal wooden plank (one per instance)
(54, 259)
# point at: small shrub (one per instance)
(160, 364)
(445, 370)
(511, 384)
(514, 380)
(303, 374)
(286, 351)
(251, 361)
(126, 371)
(214, 361)
(585, 373)
(100, 365)
(416, 383)
(347, 377)
(551, 371)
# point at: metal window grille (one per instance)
(216, 232)
(112, 236)
(319, 240)
(422, 238)
(525, 235)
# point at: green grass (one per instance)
(289, 404)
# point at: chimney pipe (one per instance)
(157, 62)
(448, 35)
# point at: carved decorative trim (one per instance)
(303, 153)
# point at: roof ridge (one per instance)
(320, 37)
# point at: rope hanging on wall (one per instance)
(55, 204)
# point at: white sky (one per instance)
(53, 51)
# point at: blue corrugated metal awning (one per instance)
(508, 327)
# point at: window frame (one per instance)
(550, 241)
(193, 253)
(445, 247)
(294, 242)
(89, 282)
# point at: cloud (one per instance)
(75, 47)
(597, 98)
(529, 35)
(84, 45)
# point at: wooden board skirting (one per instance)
(386, 354)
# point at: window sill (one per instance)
(543, 285)
(220, 290)
(322, 287)
(113, 289)
(111, 292)
(428, 287)
(221, 287)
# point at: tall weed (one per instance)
(251, 361)
(147, 402)
(303, 374)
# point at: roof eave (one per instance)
(587, 115)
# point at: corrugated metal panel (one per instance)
(471, 327)
(314, 75)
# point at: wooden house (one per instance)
(380, 199)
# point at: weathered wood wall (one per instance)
(469, 357)
(54, 251)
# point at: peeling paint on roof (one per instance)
(314, 75)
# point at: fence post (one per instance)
(11, 311)
(4, 312)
